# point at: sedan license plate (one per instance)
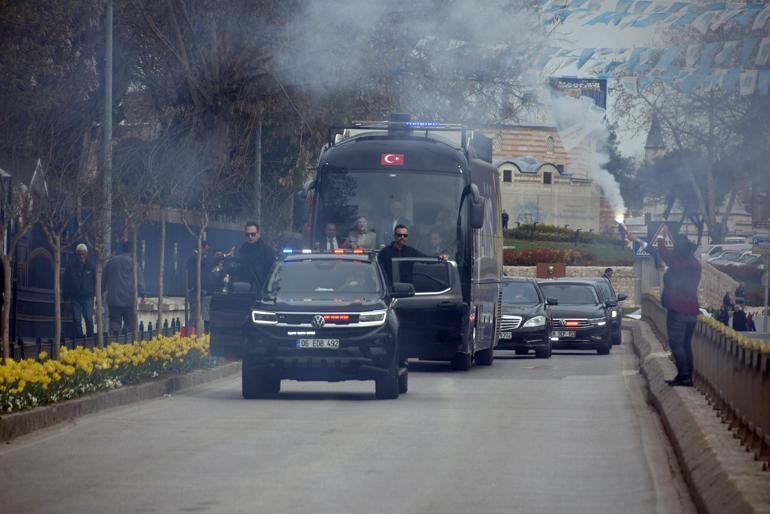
(505, 335)
(318, 343)
(564, 333)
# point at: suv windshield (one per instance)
(520, 293)
(570, 294)
(324, 277)
(365, 204)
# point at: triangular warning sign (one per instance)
(665, 233)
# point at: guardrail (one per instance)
(733, 371)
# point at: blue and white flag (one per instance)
(763, 82)
(761, 20)
(748, 82)
(763, 54)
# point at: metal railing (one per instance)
(25, 349)
(733, 375)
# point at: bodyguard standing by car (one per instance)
(256, 257)
(399, 248)
(80, 288)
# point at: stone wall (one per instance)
(713, 285)
(623, 280)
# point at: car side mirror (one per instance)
(622, 297)
(551, 301)
(610, 303)
(402, 290)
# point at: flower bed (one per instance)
(30, 383)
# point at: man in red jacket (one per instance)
(680, 298)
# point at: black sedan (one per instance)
(608, 294)
(581, 320)
(526, 319)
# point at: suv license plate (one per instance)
(505, 335)
(318, 343)
(564, 333)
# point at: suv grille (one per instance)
(510, 323)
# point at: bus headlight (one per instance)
(537, 321)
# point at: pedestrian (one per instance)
(505, 219)
(727, 302)
(79, 283)
(680, 298)
(255, 256)
(723, 316)
(118, 284)
(750, 325)
(739, 319)
(608, 272)
(740, 295)
(399, 248)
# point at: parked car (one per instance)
(320, 317)
(730, 257)
(613, 299)
(735, 240)
(526, 318)
(714, 251)
(581, 319)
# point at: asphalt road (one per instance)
(570, 434)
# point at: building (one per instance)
(543, 182)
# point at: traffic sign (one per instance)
(639, 249)
(760, 237)
(665, 229)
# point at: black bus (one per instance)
(439, 181)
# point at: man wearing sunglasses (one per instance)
(255, 256)
(400, 248)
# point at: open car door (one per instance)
(230, 317)
(433, 323)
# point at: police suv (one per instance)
(322, 316)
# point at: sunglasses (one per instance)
(250, 234)
(402, 235)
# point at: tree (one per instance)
(16, 218)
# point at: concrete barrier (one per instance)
(21, 423)
(722, 477)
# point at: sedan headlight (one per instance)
(264, 318)
(537, 321)
(599, 322)
(372, 317)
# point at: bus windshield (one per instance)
(365, 206)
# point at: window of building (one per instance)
(547, 177)
(549, 144)
(507, 176)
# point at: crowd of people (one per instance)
(742, 321)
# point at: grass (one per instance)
(606, 254)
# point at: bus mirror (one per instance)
(477, 213)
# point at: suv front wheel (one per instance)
(386, 387)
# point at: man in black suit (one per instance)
(392, 221)
(331, 241)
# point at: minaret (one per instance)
(654, 148)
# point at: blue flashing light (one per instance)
(422, 123)
(288, 251)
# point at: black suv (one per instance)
(582, 319)
(526, 318)
(616, 313)
(321, 317)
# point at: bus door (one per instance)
(432, 323)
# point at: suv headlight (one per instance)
(537, 321)
(599, 322)
(372, 317)
(614, 313)
(264, 318)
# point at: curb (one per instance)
(721, 476)
(21, 423)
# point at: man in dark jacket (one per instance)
(118, 283)
(80, 288)
(255, 257)
(680, 298)
(399, 248)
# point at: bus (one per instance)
(438, 180)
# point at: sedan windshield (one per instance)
(322, 278)
(520, 293)
(570, 294)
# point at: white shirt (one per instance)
(331, 243)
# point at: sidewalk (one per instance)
(722, 476)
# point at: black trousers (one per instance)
(680, 328)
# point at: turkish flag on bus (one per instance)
(392, 159)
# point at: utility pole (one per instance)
(258, 173)
(107, 140)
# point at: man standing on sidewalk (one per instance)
(80, 287)
(119, 284)
(680, 298)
